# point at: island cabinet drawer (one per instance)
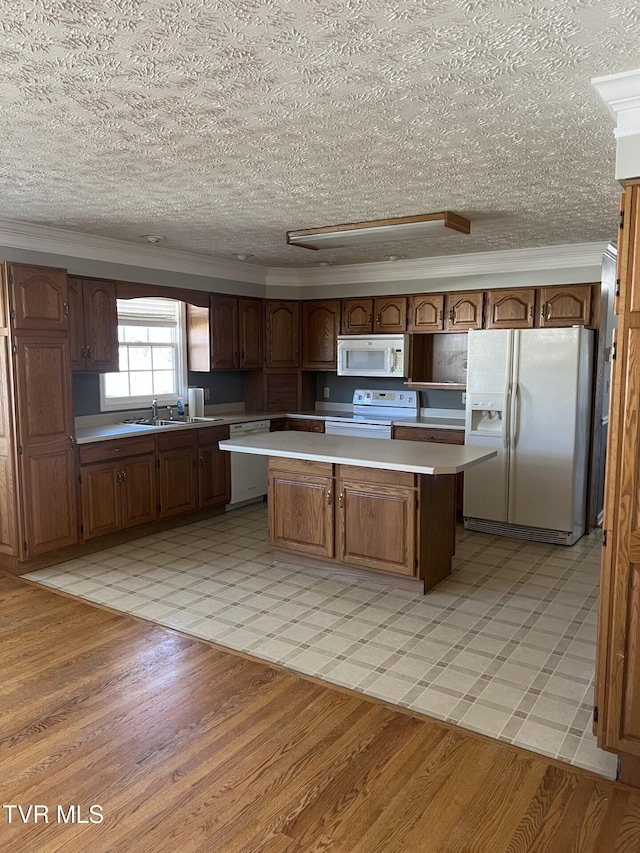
(105, 451)
(301, 466)
(376, 476)
(441, 436)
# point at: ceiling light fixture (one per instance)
(377, 230)
(242, 256)
(151, 238)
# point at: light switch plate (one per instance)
(326, 392)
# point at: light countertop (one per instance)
(415, 457)
(105, 432)
(423, 421)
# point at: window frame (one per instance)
(122, 404)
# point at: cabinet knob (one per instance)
(124, 476)
(65, 309)
(377, 319)
(452, 314)
(88, 352)
(329, 497)
(341, 500)
(369, 318)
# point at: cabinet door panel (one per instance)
(178, 481)
(283, 334)
(225, 352)
(251, 333)
(39, 298)
(8, 496)
(357, 316)
(100, 326)
(49, 499)
(44, 389)
(390, 314)
(76, 324)
(301, 513)
(215, 476)
(320, 328)
(426, 312)
(464, 311)
(565, 306)
(377, 527)
(510, 309)
(138, 488)
(100, 491)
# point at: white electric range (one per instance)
(373, 413)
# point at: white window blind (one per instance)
(147, 312)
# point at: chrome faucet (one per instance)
(154, 409)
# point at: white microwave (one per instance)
(373, 355)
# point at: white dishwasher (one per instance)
(248, 472)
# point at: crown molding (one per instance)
(620, 93)
(41, 238)
(580, 255)
(57, 241)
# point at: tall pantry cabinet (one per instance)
(617, 717)
(38, 497)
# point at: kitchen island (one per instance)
(388, 506)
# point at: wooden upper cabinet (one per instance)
(426, 312)
(464, 311)
(282, 340)
(384, 314)
(565, 306)
(225, 347)
(320, 328)
(251, 333)
(511, 309)
(390, 314)
(38, 297)
(93, 325)
(357, 316)
(226, 336)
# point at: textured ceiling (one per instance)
(221, 124)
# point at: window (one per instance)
(151, 355)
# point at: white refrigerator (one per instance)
(529, 398)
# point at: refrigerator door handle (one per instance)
(514, 408)
(506, 420)
(515, 417)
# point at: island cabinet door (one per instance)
(301, 511)
(376, 526)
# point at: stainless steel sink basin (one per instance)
(166, 422)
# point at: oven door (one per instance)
(357, 429)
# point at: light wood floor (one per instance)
(189, 748)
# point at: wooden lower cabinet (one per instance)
(304, 425)
(118, 485)
(301, 506)
(214, 467)
(376, 527)
(49, 499)
(390, 521)
(178, 472)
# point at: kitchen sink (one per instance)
(166, 422)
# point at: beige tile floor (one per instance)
(505, 646)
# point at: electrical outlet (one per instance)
(464, 396)
(207, 393)
(326, 392)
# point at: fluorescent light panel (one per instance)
(377, 231)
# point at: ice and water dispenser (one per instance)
(485, 414)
